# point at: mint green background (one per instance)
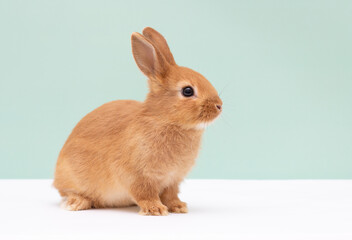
(284, 70)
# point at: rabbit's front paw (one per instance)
(153, 208)
(178, 207)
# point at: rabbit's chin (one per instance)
(203, 125)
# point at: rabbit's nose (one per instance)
(218, 106)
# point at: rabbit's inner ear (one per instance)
(148, 58)
(160, 42)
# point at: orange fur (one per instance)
(127, 152)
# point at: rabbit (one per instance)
(126, 152)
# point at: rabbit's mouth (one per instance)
(210, 110)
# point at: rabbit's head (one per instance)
(178, 95)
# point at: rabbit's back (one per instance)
(106, 120)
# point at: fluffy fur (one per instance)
(128, 152)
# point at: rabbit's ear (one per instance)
(148, 58)
(160, 42)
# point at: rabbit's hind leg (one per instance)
(75, 202)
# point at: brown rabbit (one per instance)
(127, 152)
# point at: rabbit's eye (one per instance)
(187, 91)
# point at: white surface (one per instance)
(218, 209)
